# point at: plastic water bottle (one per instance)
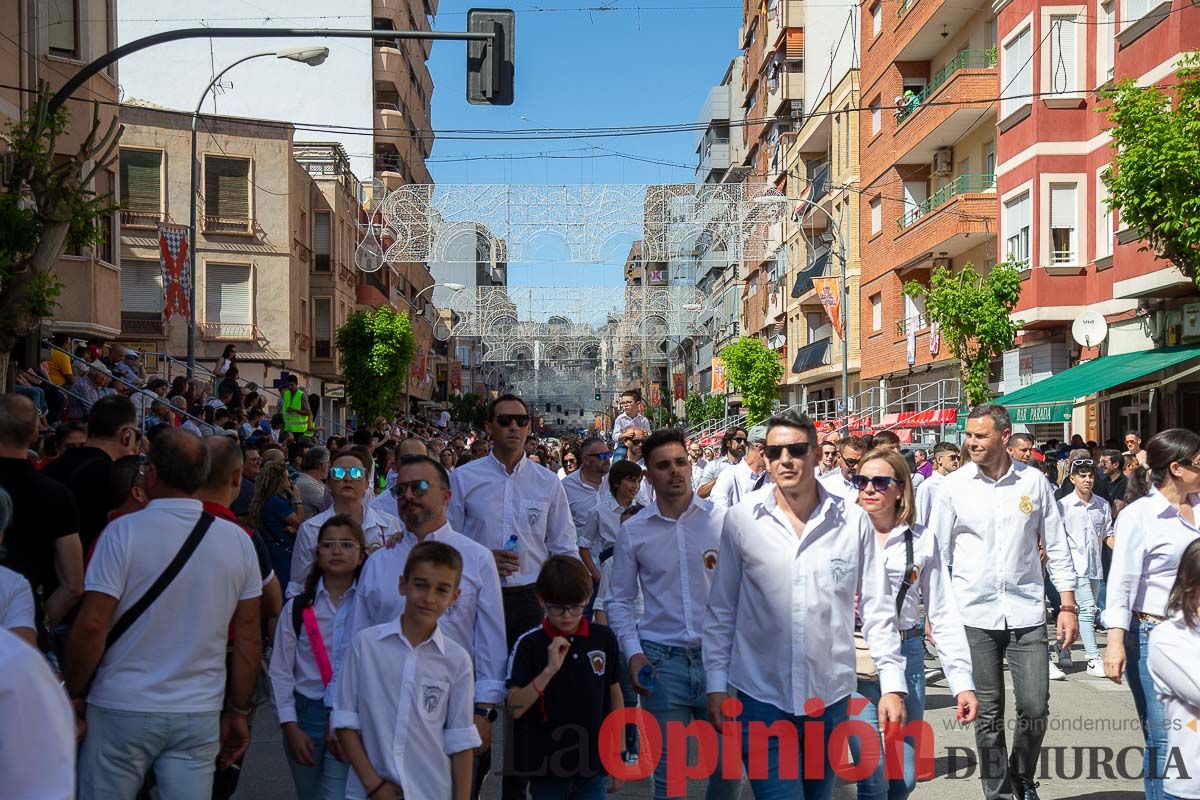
(512, 545)
(647, 678)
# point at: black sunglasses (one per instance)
(795, 450)
(851, 462)
(505, 420)
(740, 439)
(419, 488)
(880, 483)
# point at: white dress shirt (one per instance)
(582, 497)
(673, 560)
(378, 527)
(384, 503)
(735, 483)
(602, 527)
(780, 621)
(1150, 539)
(16, 601)
(716, 467)
(1173, 650)
(837, 483)
(488, 504)
(989, 533)
(293, 667)
(624, 422)
(37, 725)
(475, 621)
(1087, 525)
(933, 585)
(413, 707)
(924, 496)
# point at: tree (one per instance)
(701, 408)
(47, 206)
(972, 312)
(756, 370)
(1155, 177)
(377, 347)
(468, 409)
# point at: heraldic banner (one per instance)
(174, 259)
(830, 294)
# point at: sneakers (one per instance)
(1095, 668)
(1030, 792)
(1056, 674)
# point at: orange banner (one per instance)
(719, 384)
(679, 384)
(655, 395)
(456, 376)
(831, 299)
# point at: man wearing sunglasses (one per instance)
(583, 486)
(946, 459)
(794, 559)
(850, 451)
(829, 458)
(746, 476)
(733, 447)
(421, 496)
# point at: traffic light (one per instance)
(597, 395)
(490, 66)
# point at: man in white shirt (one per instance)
(989, 518)
(155, 698)
(669, 550)
(733, 448)
(514, 508)
(781, 613)
(746, 476)
(1087, 521)
(475, 620)
(631, 415)
(850, 452)
(946, 459)
(829, 458)
(585, 486)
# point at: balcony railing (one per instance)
(966, 59)
(241, 331)
(917, 322)
(228, 224)
(963, 184)
(131, 218)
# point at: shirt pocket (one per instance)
(531, 516)
(432, 698)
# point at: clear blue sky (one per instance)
(645, 62)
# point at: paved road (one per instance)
(1085, 713)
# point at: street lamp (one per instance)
(775, 199)
(313, 56)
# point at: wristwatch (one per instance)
(490, 714)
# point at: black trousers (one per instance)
(521, 613)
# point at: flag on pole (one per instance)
(831, 300)
(679, 385)
(719, 384)
(935, 338)
(174, 260)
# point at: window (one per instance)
(1063, 226)
(321, 242)
(989, 34)
(322, 327)
(227, 296)
(876, 19)
(141, 289)
(876, 215)
(1016, 229)
(1062, 78)
(1104, 217)
(876, 116)
(141, 188)
(989, 158)
(876, 311)
(1106, 30)
(1017, 84)
(106, 249)
(818, 326)
(226, 194)
(1134, 10)
(62, 28)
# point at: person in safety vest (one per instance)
(294, 407)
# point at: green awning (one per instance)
(1052, 399)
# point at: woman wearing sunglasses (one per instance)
(915, 571)
(348, 484)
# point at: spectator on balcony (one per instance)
(159, 414)
(59, 364)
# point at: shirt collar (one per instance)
(552, 631)
(1010, 474)
(695, 503)
(219, 511)
(504, 470)
(393, 629)
(175, 504)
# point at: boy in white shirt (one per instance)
(1087, 520)
(403, 713)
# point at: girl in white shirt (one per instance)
(302, 663)
(1174, 651)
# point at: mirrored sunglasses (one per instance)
(341, 473)
(419, 488)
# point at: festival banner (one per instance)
(679, 384)
(719, 384)
(456, 376)
(831, 300)
(655, 395)
(911, 341)
(935, 338)
(174, 260)
(420, 362)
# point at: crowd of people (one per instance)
(392, 598)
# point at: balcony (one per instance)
(785, 86)
(963, 99)
(389, 65)
(230, 331)
(131, 218)
(228, 226)
(715, 157)
(967, 59)
(787, 14)
(134, 324)
(916, 323)
(921, 27)
(963, 184)
(367, 295)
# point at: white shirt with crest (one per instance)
(1087, 523)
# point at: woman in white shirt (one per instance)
(915, 570)
(16, 598)
(302, 662)
(1087, 521)
(1174, 651)
(1151, 535)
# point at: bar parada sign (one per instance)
(1041, 413)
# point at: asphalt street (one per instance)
(1092, 721)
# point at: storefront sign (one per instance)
(1041, 414)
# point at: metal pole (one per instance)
(845, 321)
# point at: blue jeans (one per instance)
(680, 697)
(578, 789)
(326, 779)
(877, 786)
(1150, 709)
(1086, 592)
(773, 786)
(121, 747)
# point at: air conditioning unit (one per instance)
(1191, 321)
(941, 262)
(943, 161)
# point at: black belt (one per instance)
(606, 554)
(912, 633)
(518, 590)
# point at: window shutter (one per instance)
(227, 188)
(1062, 206)
(1134, 10)
(322, 312)
(60, 31)
(1062, 55)
(227, 294)
(141, 287)
(321, 233)
(141, 180)
(795, 45)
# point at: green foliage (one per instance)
(468, 409)
(756, 370)
(972, 312)
(377, 347)
(701, 408)
(1156, 154)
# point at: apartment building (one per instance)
(1075, 255)
(927, 157)
(51, 40)
(403, 89)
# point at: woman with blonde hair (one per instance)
(915, 570)
(274, 515)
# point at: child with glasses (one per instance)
(563, 681)
(302, 663)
